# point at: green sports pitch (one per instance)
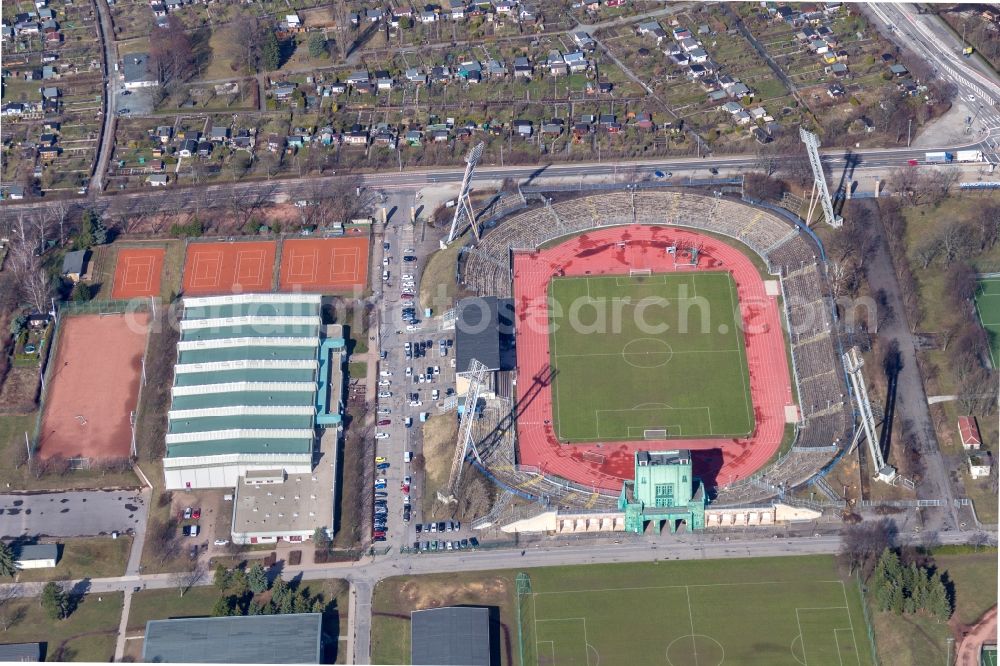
(648, 357)
(988, 305)
(754, 612)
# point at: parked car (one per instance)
(380, 459)
(385, 422)
(221, 542)
(385, 394)
(419, 528)
(187, 513)
(381, 435)
(196, 514)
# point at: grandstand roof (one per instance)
(246, 376)
(480, 323)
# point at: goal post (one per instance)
(659, 433)
(640, 272)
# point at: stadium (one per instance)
(747, 393)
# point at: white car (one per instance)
(385, 373)
(407, 277)
(409, 371)
(385, 394)
(385, 410)
(415, 403)
(413, 327)
(221, 542)
(385, 382)
(434, 394)
(385, 261)
(381, 435)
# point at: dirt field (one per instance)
(19, 391)
(94, 384)
(138, 273)
(327, 264)
(229, 268)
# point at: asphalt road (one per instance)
(105, 33)
(72, 514)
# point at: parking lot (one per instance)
(71, 514)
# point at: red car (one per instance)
(384, 422)
(378, 534)
(196, 514)
(406, 490)
(912, 162)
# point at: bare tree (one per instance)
(246, 36)
(11, 612)
(861, 545)
(187, 578)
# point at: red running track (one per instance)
(718, 462)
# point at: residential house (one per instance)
(760, 135)
(576, 61)
(383, 80)
(467, 69)
(49, 72)
(374, 15)
(689, 44)
(757, 113)
(704, 29)
(428, 16)
(456, 9)
(16, 192)
(294, 142)
(293, 22)
(74, 266)
(188, 148)
(742, 117)
(137, 71)
(204, 148)
(47, 140)
(415, 75)
(980, 464)
(968, 432)
(583, 40)
(556, 64)
(48, 153)
(898, 70)
(356, 137)
(697, 71)
(739, 90)
(441, 74)
(523, 127)
(244, 140)
(838, 69)
(440, 135)
(522, 67)
(158, 179)
(648, 27)
(283, 91)
(580, 130)
(338, 87)
(496, 69)
(732, 107)
(358, 77)
(835, 90)
(218, 134)
(699, 55)
(717, 95)
(605, 87)
(275, 143)
(644, 120)
(527, 13)
(326, 136)
(365, 88)
(504, 7)
(678, 59)
(414, 137)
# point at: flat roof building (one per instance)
(251, 639)
(451, 636)
(137, 71)
(37, 556)
(20, 652)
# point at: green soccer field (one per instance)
(749, 612)
(988, 305)
(651, 357)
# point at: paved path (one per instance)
(106, 36)
(935, 399)
(985, 632)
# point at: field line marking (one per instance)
(745, 365)
(857, 655)
(694, 640)
(688, 351)
(802, 638)
(586, 642)
(676, 587)
(850, 621)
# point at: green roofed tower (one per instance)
(665, 490)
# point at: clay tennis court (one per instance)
(327, 264)
(138, 272)
(93, 386)
(614, 251)
(229, 268)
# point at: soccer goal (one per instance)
(640, 272)
(655, 434)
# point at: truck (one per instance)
(938, 158)
(968, 156)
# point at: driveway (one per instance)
(70, 514)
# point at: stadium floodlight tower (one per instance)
(820, 192)
(477, 380)
(464, 205)
(853, 362)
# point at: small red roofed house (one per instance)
(968, 430)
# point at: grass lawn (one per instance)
(662, 352)
(988, 305)
(86, 635)
(919, 639)
(753, 611)
(437, 281)
(98, 557)
(439, 435)
(357, 370)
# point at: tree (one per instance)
(321, 539)
(10, 611)
(280, 595)
(317, 45)
(221, 578)
(960, 281)
(188, 578)
(172, 52)
(937, 600)
(224, 606)
(81, 293)
(862, 545)
(257, 578)
(245, 36)
(238, 584)
(54, 601)
(270, 51)
(7, 562)
(255, 608)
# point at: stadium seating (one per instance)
(826, 418)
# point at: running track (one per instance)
(718, 462)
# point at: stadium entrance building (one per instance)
(665, 490)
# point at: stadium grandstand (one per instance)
(825, 419)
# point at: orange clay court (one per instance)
(322, 264)
(138, 272)
(229, 268)
(93, 386)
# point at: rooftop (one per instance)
(271, 639)
(451, 636)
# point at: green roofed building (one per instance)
(244, 397)
(665, 491)
(251, 639)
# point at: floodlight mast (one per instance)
(464, 203)
(820, 192)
